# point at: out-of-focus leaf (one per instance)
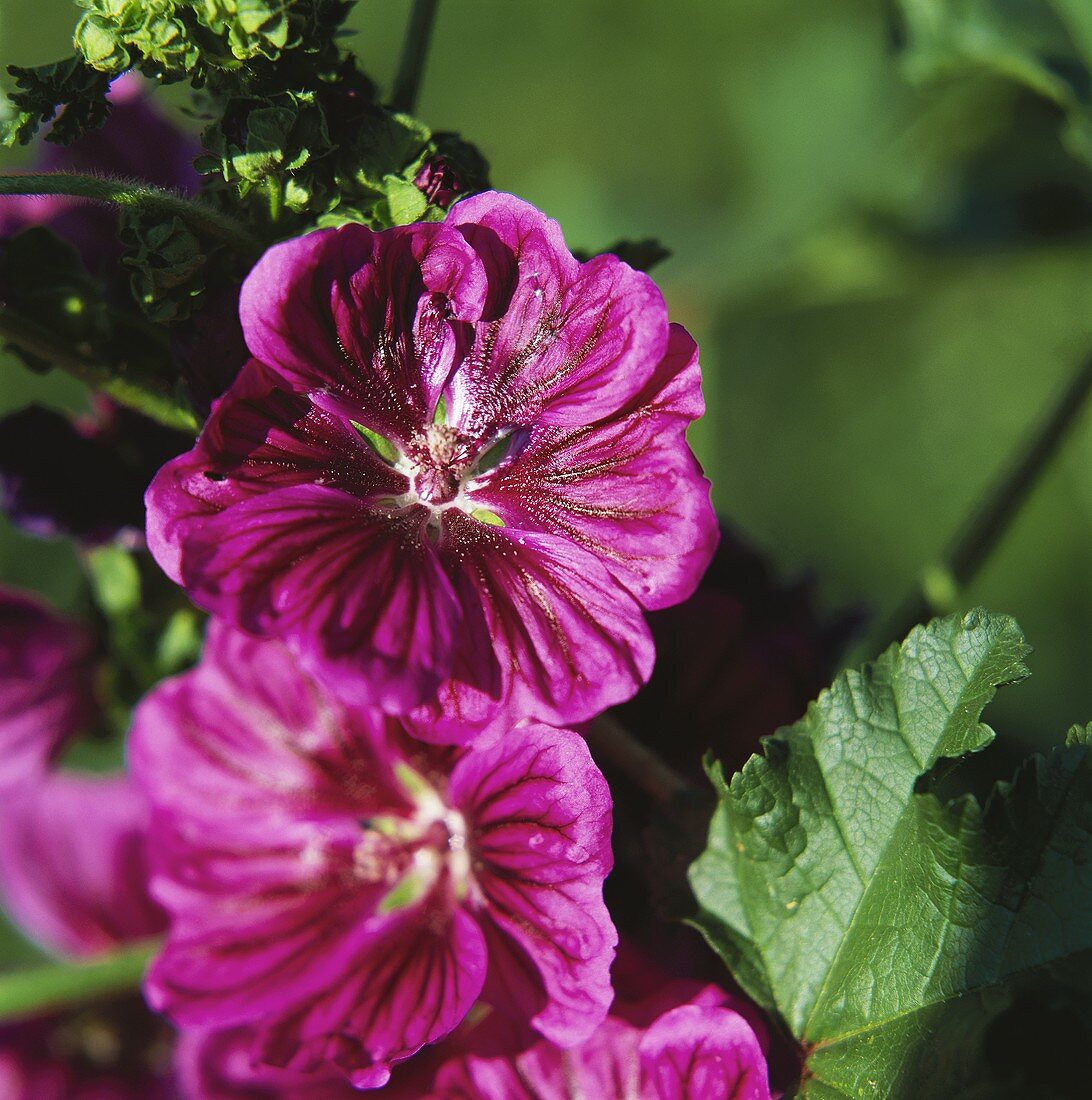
(887, 928)
(115, 579)
(1045, 45)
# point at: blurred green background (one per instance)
(889, 282)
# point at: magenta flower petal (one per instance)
(570, 641)
(264, 438)
(73, 864)
(217, 1065)
(575, 341)
(693, 1050)
(354, 313)
(541, 825)
(467, 409)
(627, 489)
(414, 985)
(381, 631)
(339, 887)
(46, 686)
(697, 1053)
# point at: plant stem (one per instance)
(35, 990)
(411, 66)
(151, 396)
(126, 193)
(613, 743)
(275, 192)
(992, 518)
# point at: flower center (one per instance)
(441, 459)
(418, 849)
(442, 465)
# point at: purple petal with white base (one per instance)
(467, 408)
(347, 891)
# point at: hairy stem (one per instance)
(39, 989)
(411, 66)
(612, 743)
(153, 397)
(992, 518)
(198, 216)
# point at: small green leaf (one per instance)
(403, 201)
(180, 642)
(42, 92)
(887, 927)
(382, 446)
(115, 579)
(439, 414)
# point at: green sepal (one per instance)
(382, 446)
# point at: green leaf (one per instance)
(1044, 45)
(180, 642)
(881, 923)
(252, 28)
(42, 91)
(115, 579)
(169, 265)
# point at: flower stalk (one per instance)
(126, 193)
(612, 744)
(991, 519)
(148, 395)
(411, 67)
(51, 986)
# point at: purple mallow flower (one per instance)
(73, 867)
(350, 892)
(73, 876)
(438, 180)
(681, 1044)
(454, 476)
(46, 687)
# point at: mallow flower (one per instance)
(350, 892)
(73, 867)
(73, 876)
(47, 690)
(681, 1044)
(455, 473)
